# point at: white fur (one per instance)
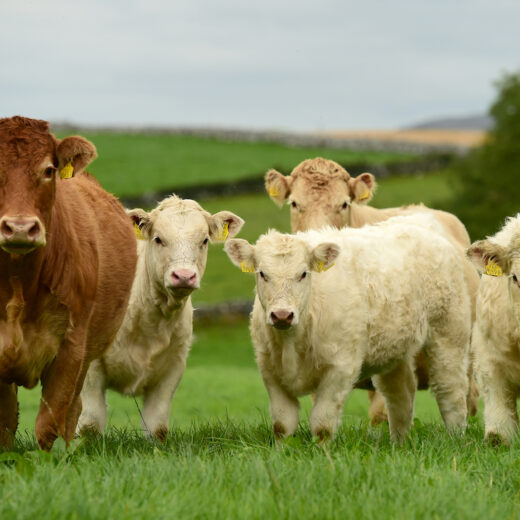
(148, 356)
(395, 288)
(496, 336)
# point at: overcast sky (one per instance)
(294, 64)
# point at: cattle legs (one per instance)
(285, 409)
(157, 402)
(330, 397)
(94, 415)
(8, 414)
(447, 352)
(398, 388)
(377, 409)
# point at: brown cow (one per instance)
(320, 192)
(67, 261)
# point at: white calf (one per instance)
(496, 334)
(148, 356)
(396, 287)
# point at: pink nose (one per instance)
(20, 230)
(184, 278)
(282, 319)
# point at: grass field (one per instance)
(134, 164)
(220, 461)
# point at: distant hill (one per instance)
(475, 122)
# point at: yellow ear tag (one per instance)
(67, 171)
(224, 233)
(273, 192)
(320, 266)
(138, 233)
(493, 269)
(365, 195)
(247, 267)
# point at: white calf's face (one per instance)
(283, 268)
(177, 235)
(496, 260)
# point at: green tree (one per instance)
(487, 182)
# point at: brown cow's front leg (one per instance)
(377, 410)
(59, 389)
(8, 414)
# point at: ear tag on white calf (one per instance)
(320, 266)
(138, 233)
(247, 267)
(493, 269)
(67, 171)
(273, 192)
(365, 195)
(224, 233)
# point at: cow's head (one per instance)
(176, 236)
(493, 259)
(320, 193)
(284, 266)
(31, 160)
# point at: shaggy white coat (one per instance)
(395, 287)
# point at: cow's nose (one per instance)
(20, 230)
(282, 319)
(184, 278)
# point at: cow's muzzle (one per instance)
(282, 319)
(21, 235)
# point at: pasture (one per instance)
(220, 460)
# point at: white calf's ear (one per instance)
(142, 222)
(362, 188)
(323, 256)
(74, 154)
(241, 253)
(489, 258)
(223, 225)
(278, 186)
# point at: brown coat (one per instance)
(63, 294)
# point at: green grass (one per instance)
(223, 281)
(135, 164)
(220, 462)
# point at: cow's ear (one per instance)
(489, 258)
(278, 186)
(142, 222)
(362, 188)
(323, 256)
(241, 253)
(223, 225)
(74, 153)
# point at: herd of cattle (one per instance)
(93, 297)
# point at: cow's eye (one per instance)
(205, 241)
(262, 275)
(344, 205)
(515, 279)
(48, 172)
(294, 205)
(157, 240)
(304, 274)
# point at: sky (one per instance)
(274, 64)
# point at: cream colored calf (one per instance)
(496, 334)
(334, 307)
(148, 356)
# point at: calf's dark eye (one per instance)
(262, 275)
(293, 204)
(303, 276)
(344, 205)
(157, 240)
(205, 241)
(48, 172)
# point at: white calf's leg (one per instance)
(157, 402)
(284, 408)
(332, 391)
(447, 351)
(93, 396)
(398, 388)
